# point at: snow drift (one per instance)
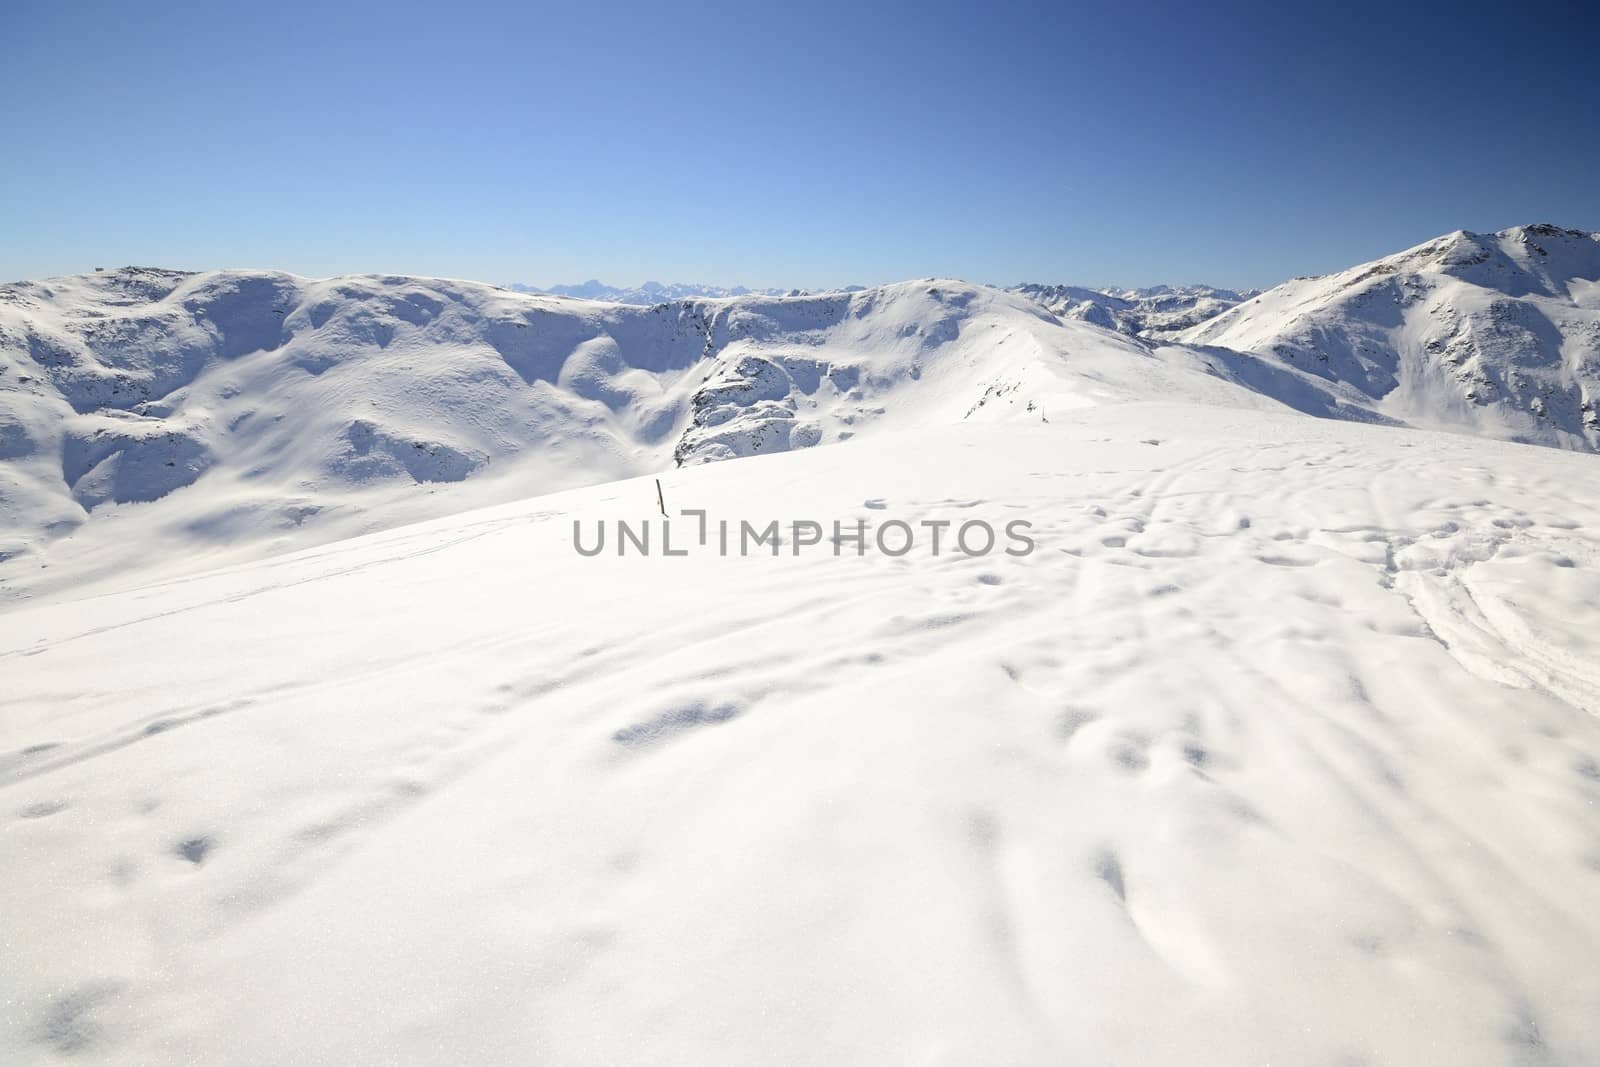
(1282, 747)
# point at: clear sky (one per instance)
(786, 144)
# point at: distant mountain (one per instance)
(1494, 333)
(1159, 312)
(656, 292)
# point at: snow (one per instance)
(324, 744)
(160, 422)
(651, 292)
(1496, 334)
(155, 419)
(1281, 748)
(1160, 312)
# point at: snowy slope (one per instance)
(285, 401)
(1159, 312)
(200, 418)
(1281, 748)
(1497, 334)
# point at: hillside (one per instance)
(1496, 334)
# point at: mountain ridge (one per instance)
(1160, 311)
(314, 409)
(658, 292)
(1496, 333)
(306, 405)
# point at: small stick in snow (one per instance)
(661, 501)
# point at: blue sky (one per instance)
(803, 144)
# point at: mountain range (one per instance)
(237, 411)
(1157, 311)
(650, 292)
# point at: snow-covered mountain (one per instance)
(266, 411)
(262, 409)
(1159, 312)
(1493, 333)
(649, 292)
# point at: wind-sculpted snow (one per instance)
(1497, 334)
(1281, 747)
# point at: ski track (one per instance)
(1274, 750)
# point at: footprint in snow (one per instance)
(1130, 753)
(1108, 868)
(195, 849)
(1070, 721)
(68, 1025)
(673, 722)
(43, 809)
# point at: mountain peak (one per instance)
(1496, 332)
